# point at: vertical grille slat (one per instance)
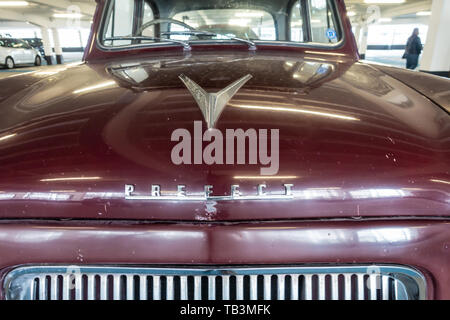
(294, 286)
(360, 285)
(32, 290)
(78, 287)
(183, 288)
(103, 287)
(348, 286)
(322, 286)
(117, 287)
(226, 287)
(239, 287)
(212, 288)
(281, 287)
(91, 287)
(253, 287)
(335, 287)
(385, 287)
(67, 282)
(267, 287)
(54, 287)
(308, 288)
(130, 287)
(197, 288)
(169, 288)
(156, 288)
(129, 283)
(143, 289)
(373, 287)
(396, 289)
(42, 288)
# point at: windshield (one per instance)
(155, 22)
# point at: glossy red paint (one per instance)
(435, 88)
(358, 141)
(423, 244)
(354, 141)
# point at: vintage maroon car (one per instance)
(261, 161)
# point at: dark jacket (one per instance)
(414, 45)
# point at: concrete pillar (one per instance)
(58, 49)
(358, 33)
(47, 46)
(436, 55)
(363, 42)
(81, 39)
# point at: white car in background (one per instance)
(14, 52)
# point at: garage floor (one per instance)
(4, 73)
(69, 57)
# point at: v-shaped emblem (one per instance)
(213, 104)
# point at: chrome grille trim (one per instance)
(375, 282)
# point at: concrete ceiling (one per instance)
(40, 12)
(399, 12)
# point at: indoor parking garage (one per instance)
(238, 150)
(60, 29)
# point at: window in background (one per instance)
(120, 23)
(322, 19)
(323, 26)
(386, 42)
(85, 33)
(73, 38)
(296, 23)
(148, 16)
(245, 24)
(21, 33)
(15, 43)
(397, 34)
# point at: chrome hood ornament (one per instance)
(213, 104)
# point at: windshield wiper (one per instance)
(185, 44)
(251, 44)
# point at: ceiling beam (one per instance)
(15, 16)
(85, 8)
(408, 8)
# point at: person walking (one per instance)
(413, 50)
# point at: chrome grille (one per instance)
(276, 283)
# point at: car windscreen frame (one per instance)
(290, 4)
